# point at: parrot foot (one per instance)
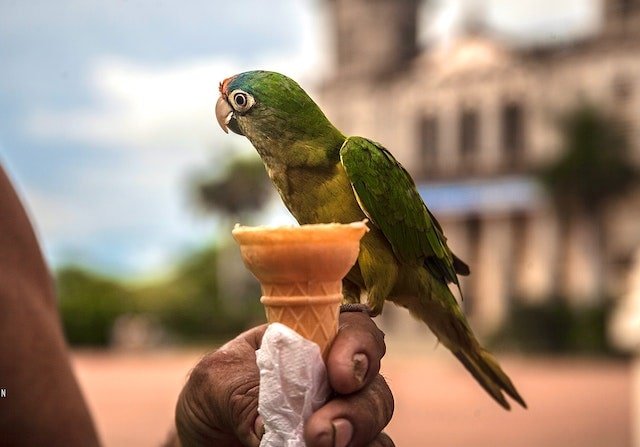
(357, 307)
(350, 292)
(376, 309)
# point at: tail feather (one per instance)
(485, 369)
(447, 321)
(493, 369)
(484, 381)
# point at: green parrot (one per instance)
(324, 176)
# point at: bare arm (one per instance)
(43, 403)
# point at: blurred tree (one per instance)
(188, 303)
(553, 326)
(242, 188)
(237, 194)
(208, 296)
(89, 304)
(593, 170)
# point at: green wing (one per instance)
(388, 196)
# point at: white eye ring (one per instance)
(241, 100)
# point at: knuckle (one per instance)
(382, 398)
(370, 412)
(369, 337)
(369, 340)
(221, 394)
(223, 374)
(368, 332)
(378, 337)
(383, 440)
(204, 377)
(193, 424)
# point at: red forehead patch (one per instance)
(224, 84)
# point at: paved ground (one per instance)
(573, 402)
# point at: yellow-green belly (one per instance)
(321, 197)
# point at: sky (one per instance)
(106, 108)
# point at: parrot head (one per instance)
(271, 110)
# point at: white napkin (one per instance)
(293, 384)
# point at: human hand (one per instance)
(219, 404)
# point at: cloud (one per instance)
(123, 198)
(542, 19)
(127, 188)
(139, 106)
(110, 126)
(524, 20)
(147, 106)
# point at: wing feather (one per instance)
(388, 196)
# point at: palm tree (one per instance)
(593, 171)
(237, 194)
(243, 188)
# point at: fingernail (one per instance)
(360, 366)
(258, 427)
(342, 432)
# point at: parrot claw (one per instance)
(358, 307)
(376, 309)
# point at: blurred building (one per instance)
(472, 119)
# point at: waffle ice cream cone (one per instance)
(300, 270)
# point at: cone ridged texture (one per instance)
(310, 309)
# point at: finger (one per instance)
(354, 420)
(382, 440)
(219, 403)
(354, 358)
(253, 336)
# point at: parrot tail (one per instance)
(485, 369)
(445, 318)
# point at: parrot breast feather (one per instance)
(388, 196)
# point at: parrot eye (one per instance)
(241, 101)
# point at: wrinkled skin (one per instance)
(219, 404)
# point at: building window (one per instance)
(513, 133)
(469, 134)
(429, 143)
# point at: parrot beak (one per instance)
(225, 117)
(224, 113)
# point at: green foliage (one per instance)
(187, 304)
(89, 304)
(594, 169)
(594, 166)
(242, 188)
(556, 327)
